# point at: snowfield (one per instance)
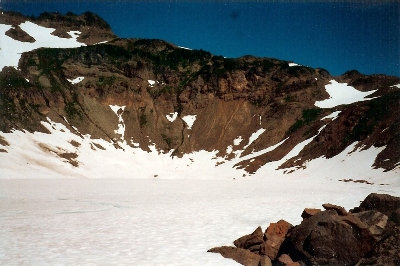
(11, 50)
(341, 93)
(151, 221)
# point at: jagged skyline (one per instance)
(334, 36)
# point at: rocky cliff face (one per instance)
(93, 28)
(249, 111)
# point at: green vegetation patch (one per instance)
(143, 119)
(13, 80)
(378, 109)
(72, 110)
(167, 140)
(104, 81)
(308, 116)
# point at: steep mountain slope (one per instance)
(150, 106)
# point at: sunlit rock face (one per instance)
(87, 105)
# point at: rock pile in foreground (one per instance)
(367, 235)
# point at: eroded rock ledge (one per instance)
(366, 235)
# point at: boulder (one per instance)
(353, 221)
(375, 221)
(251, 240)
(383, 203)
(265, 261)
(275, 235)
(326, 239)
(386, 252)
(240, 255)
(286, 260)
(308, 212)
(255, 248)
(340, 210)
(395, 217)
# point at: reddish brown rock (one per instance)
(308, 212)
(240, 255)
(340, 210)
(275, 235)
(254, 239)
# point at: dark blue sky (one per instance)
(335, 36)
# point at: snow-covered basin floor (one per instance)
(150, 221)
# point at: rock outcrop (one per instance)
(92, 27)
(335, 236)
(230, 98)
(274, 237)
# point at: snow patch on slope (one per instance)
(254, 136)
(332, 116)
(27, 158)
(172, 116)
(182, 47)
(341, 93)
(118, 110)
(397, 86)
(35, 155)
(151, 82)
(237, 141)
(263, 151)
(11, 50)
(76, 80)
(229, 149)
(189, 120)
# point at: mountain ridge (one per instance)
(267, 101)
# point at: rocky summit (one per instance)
(366, 235)
(142, 101)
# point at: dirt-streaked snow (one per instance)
(341, 93)
(121, 123)
(34, 155)
(11, 50)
